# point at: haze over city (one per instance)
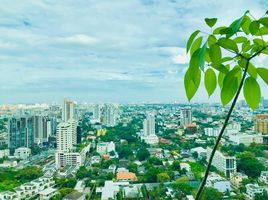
(109, 51)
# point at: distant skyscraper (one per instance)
(21, 132)
(68, 110)
(66, 135)
(149, 125)
(110, 114)
(42, 129)
(96, 112)
(185, 116)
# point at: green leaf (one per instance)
(210, 81)
(192, 80)
(240, 39)
(262, 31)
(210, 21)
(263, 72)
(191, 39)
(252, 92)
(218, 30)
(254, 27)
(202, 54)
(226, 59)
(228, 44)
(245, 24)
(215, 54)
(264, 21)
(246, 46)
(211, 40)
(196, 45)
(221, 77)
(221, 68)
(230, 85)
(252, 71)
(237, 24)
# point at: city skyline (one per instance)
(132, 51)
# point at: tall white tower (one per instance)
(110, 114)
(66, 135)
(149, 125)
(68, 110)
(186, 116)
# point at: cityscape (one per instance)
(133, 100)
(131, 151)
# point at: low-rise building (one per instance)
(264, 177)
(126, 176)
(237, 178)
(4, 153)
(253, 189)
(22, 152)
(47, 194)
(246, 139)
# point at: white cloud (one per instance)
(79, 39)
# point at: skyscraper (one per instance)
(42, 129)
(68, 110)
(185, 116)
(66, 135)
(96, 112)
(20, 132)
(110, 114)
(149, 125)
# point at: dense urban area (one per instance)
(131, 151)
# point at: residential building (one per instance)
(22, 152)
(223, 162)
(185, 116)
(212, 132)
(126, 176)
(63, 159)
(253, 189)
(4, 153)
(246, 139)
(110, 115)
(68, 110)
(47, 193)
(75, 195)
(149, 135)
(42, 129)
(264, 177)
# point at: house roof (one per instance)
(126, 176)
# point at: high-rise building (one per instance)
(20, 132)
(68, 110)
(149, 135)
(42, 129)
(222, 162)
(149, 125)
(66, 135)
(185, 116)
(96, 112)
(261, 123)
(110, 114)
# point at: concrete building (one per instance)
(246, 139)
(47, 193)
(63, 159)
(22, 152)
(264, 177)
(261, 123)
(68, 110)
(237, 178)
(185, 116)
(149, 135)
(212, 132)
(223, 162)
(4, 153)
(42, 129)
(66, 135)
(253, 189)
(110, 115)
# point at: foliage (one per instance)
(66, 182)
(211, 194)
(223, 54)
(163, 177)
(125, 151)
(248, 164)
(143, 154)
(11, 178)
(263, 196)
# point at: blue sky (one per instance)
(103, 50)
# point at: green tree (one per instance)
(125, 151)
(143, 154)
(263, 196)
(211, 194)
(163, 177)
(225, 56)
(248, 164)
(82, 172)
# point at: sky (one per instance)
(104, 50)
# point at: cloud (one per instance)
(125, 50)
